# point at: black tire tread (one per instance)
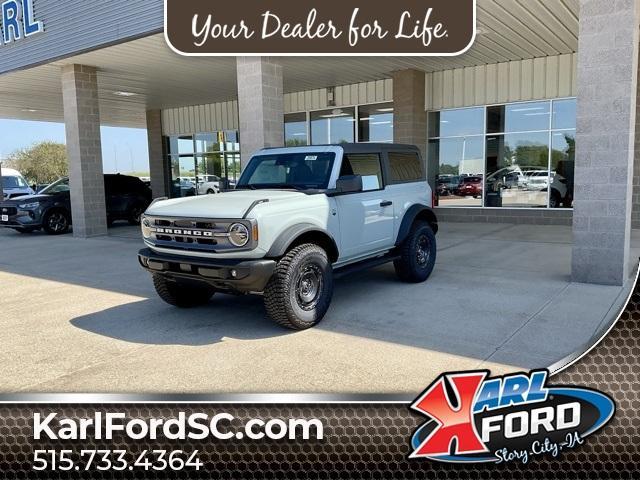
(402, 265)
(275, 291)
(179, 295)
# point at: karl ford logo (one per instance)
(18, 21)
(475, 419)
(330, 27)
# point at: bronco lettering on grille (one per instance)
(187, 233)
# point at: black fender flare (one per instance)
(414, 212)
(289, 236)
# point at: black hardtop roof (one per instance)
(361, 147)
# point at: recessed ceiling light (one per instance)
(30, 110)
(125, 94)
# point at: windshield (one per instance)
(13, 182)
(300, 171)
(60, 186)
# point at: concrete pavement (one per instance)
(81, 316)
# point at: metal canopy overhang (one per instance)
(145, 74)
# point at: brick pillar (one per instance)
(410, 116)
(158, 165)
(260, 105)
(84, 149)
(607, 101)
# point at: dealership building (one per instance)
(537, 120)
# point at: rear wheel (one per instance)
(299, 293)
(180, 294)
(417, 254)
(56, 222)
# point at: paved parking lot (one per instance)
(81, 316)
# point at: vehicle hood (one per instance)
(233, 204)
(27, 198)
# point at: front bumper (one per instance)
(16, 218)
(235, 275)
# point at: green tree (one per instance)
(43, 162)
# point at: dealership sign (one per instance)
(18, 20)
(330, 27)
(505, 419)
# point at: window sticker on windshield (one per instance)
(311, 157)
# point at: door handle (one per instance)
(386, 203)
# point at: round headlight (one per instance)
(146, 227)
(238, 235)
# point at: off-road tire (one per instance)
(56, 228)
(182, 295)
(417, 258)
(286, 292)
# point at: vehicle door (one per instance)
(366, 218)
(115, 197)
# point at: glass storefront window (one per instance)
(518, 117)
(375, 123)
(333, 126)
(522, 155)
(564, 114)
(183, 176)
(563, 158)
(461, 162)
(205, 163)
(517, 170)
(205, 142)
(456, 123)
(185, 145)
(295, 129)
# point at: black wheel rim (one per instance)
(309, 287)
(57, 222)
(423, 250)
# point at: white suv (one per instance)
(297, 217)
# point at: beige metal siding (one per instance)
(533, 79)
(344, 95)
(200, 118)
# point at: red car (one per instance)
(470, 187)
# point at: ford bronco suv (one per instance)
(298, 217)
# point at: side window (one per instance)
(367, 165)
(405, 167)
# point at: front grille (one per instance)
(195, 234)
(8, 210)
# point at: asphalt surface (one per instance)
(81, 316)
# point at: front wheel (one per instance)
(56, 222)
(299, 293)
(417, 254)
(182, 295)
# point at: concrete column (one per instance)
(409, 114)
(607, 102)
(260, 104)
(158, 164)
(84, 149)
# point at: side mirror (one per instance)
(349, 184)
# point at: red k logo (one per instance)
(452, 422)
